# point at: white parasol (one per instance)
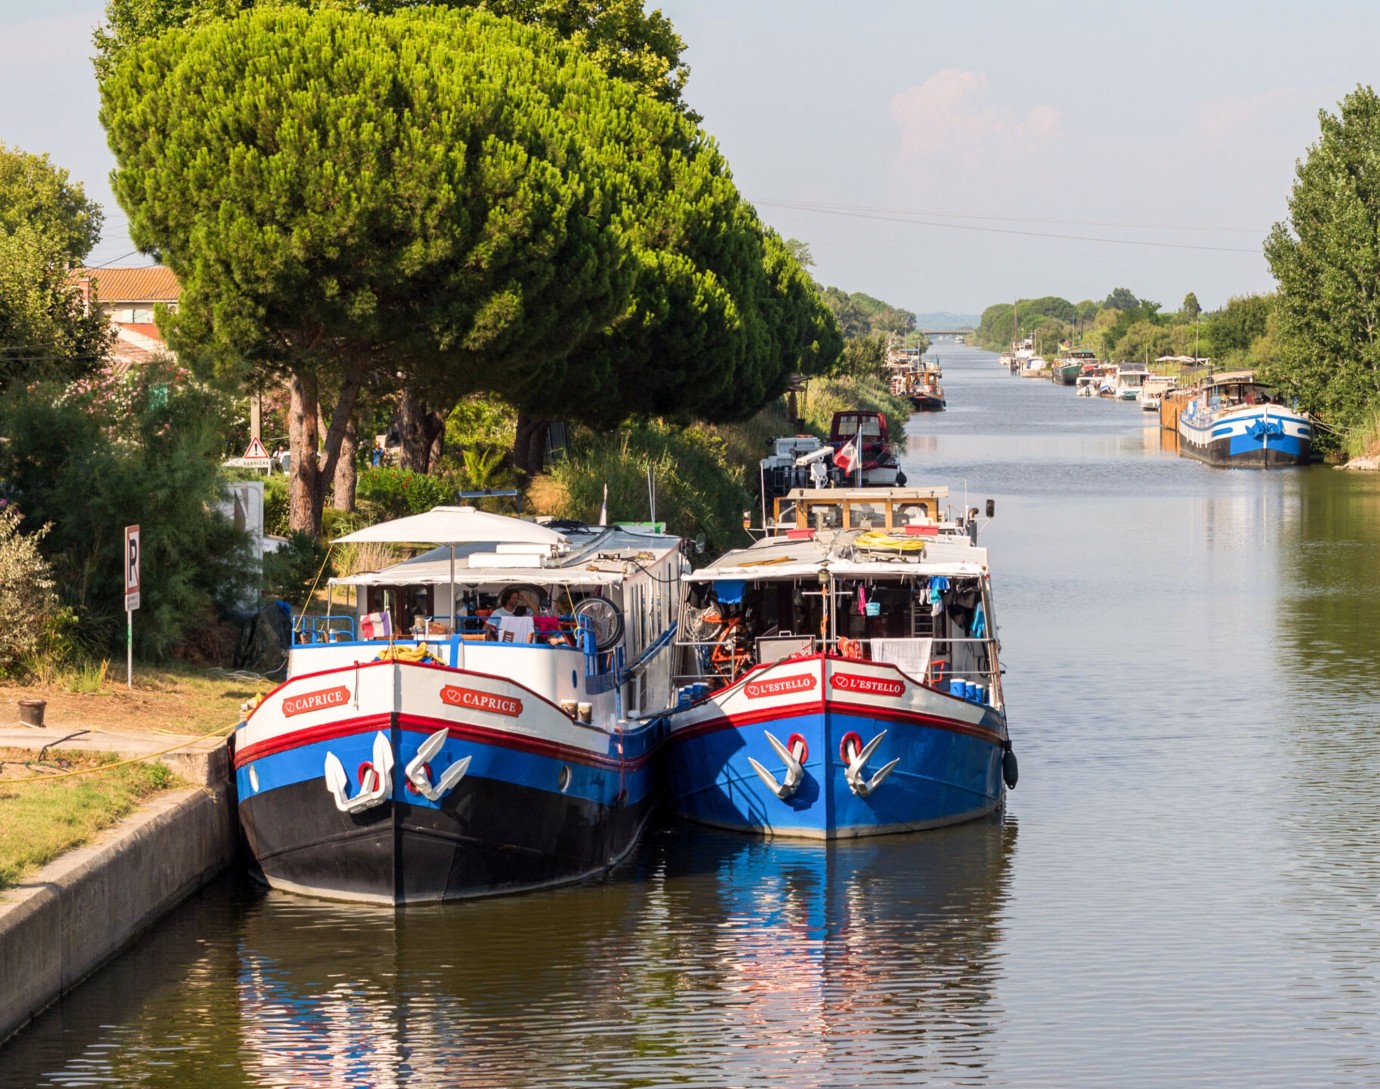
(452, 526)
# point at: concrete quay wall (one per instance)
(82, 909)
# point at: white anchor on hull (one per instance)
(338, 783)
(420, 776)
(794, 771)
(857, 760)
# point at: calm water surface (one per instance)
(1182, 891)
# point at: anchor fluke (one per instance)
(791, 757)
(419, 775)
(381, 771)
(857, 761)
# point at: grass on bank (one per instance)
(40, 821)
(45, 819)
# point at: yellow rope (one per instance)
(297, 629)
(119, 764)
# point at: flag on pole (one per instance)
(845, 456)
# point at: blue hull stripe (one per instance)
(521, 768)
(943, 777)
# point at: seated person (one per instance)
(508, 601)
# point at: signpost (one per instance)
(131, 594)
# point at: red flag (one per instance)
(845, 455)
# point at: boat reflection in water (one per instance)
(727, 960)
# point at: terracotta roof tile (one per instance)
(153, 283)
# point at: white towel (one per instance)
(910, 656)
(515, 629)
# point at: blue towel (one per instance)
(729, 591)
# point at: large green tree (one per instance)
(35, 193)
(455, 198)
(625, 40)
(1326, 259)
(1243, 321)
(47, 225)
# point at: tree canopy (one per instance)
(456, 197)
(46, 227)
(619, 35)
(1121, 299)
(1326, 260)
(860, 315)
(37, 194)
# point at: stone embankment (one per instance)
(82, 909)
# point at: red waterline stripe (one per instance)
(293, 739)
(523, 743)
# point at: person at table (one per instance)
(508, 603)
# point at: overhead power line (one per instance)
(915, 219)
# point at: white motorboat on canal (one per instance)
(1232, 420)
(840, 677)
(481, 755)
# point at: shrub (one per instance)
(385, 492)
(28, 601)
(294, 568)
(95, 457)
(698, 489)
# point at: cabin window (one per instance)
(910, 514)
(825, 515)
(862, 510)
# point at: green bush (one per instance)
(699, 490)
(110, 452)
(294, 568)
(28, 600)
(386, 492)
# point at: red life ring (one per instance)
(850, 741)
(412, 787)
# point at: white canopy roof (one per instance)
(456, 525)
(429, 569)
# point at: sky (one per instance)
(941, 156)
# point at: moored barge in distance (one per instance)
(1231, 420)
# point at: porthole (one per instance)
(563, 779)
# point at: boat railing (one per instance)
(928, 661)
(324, 628)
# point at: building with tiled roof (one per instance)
(128, 297)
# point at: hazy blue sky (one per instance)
(941, 156)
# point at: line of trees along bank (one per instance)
(1316, 336)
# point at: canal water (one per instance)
(1182, 890)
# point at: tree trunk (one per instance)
(438, 439)
(303, 439)
(343, 493)
(529, 446)
(421, 431)
(307, 486)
